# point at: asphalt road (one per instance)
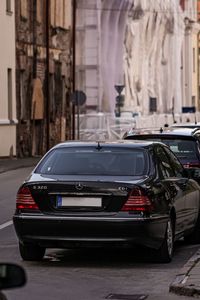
(89, 274)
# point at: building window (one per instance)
(10, 112)
(61, 13)
(194, 61)
(40, 9)
(194, 101)
(198, 10)
(67, 14)
(8, 7)
(52, 97)
(24, 9)
(23, 112)
(182, 4)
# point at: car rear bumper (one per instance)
(70, 232)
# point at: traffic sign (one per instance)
(78, 98)
(119, 88)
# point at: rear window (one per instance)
(108, 162)
(182, 148)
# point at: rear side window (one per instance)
(176, 165)
(164, 163)
(108, 162)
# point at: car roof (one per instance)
(186, 125)
(171, 132)
(117, 143)
(182, 131)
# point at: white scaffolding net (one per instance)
(153, 43)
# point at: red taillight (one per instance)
(25, 200)
(191, 165)
(137, 201)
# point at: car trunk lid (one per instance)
(79, 196)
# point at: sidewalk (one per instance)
(187, 281)
(7, 164)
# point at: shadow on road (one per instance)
(112, 257)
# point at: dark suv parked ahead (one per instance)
(185, 125)
(184, 142)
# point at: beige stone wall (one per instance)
(31, 74)
(8, 136)
(7, 88)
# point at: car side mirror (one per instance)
(11, 276)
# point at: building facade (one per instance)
(8, 120)
(88, 52)
(44, 74)
(99, 51)
(190, 66)
(158, 61)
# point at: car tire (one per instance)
(194, 236)
(165, 253)
(31, 252)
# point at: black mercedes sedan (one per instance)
(97, 194)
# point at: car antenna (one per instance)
(98, 146)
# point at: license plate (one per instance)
(78, 201)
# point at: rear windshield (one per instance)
(182, 148)
(109, 162)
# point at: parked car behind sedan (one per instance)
(184, 142)
(185, 125)
(88, 194)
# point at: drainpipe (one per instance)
(74, 66)
(198, 71)
(34, 73)
(34, 39)
(47, 107)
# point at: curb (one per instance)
(183, 283)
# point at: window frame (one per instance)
(163, 170)
(9, 10)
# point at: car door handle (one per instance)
(183, 183)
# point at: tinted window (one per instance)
(81, 161)
(182, 148)
(164, 163)
(175, 164)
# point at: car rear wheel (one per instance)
(165, 253)
(31, 252)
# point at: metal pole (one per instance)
(198, 75)
(34, 30)
(78, 120)
(74, 66)
(34, 39)
(47, 77)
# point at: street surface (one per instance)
(85, 274)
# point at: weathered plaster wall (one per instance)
(31, 73)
